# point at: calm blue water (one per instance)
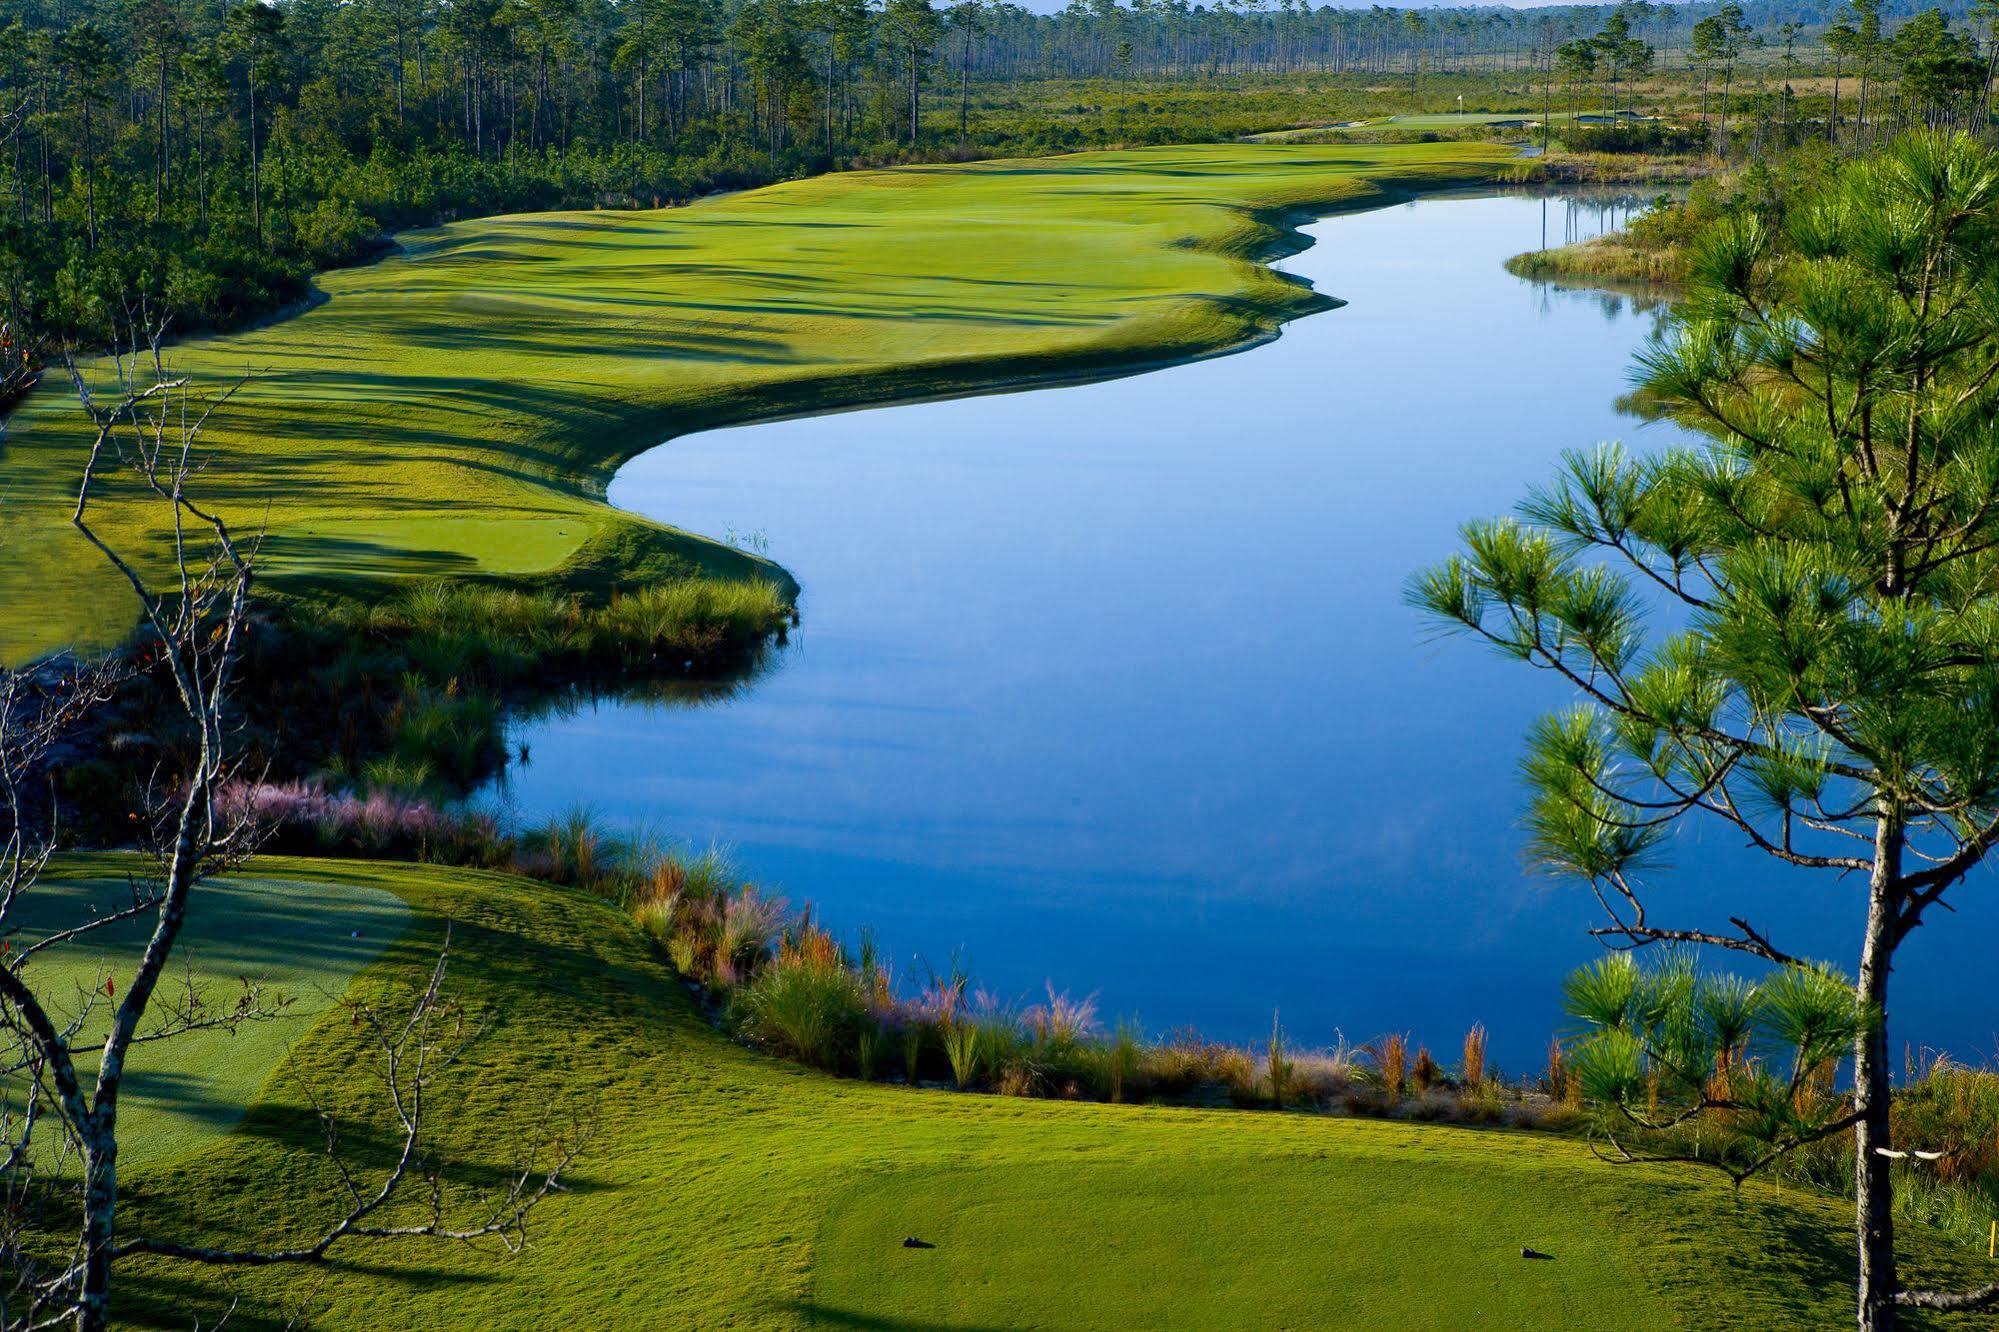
(1112, 686)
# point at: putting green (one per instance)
(303, 941)
(457, 409)
(720, 1188)
(1374, 1228)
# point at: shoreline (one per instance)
(988, 376)
(557, 457)
(1288, 222)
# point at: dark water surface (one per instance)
(1112, 686)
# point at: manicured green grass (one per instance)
(304, 941)
(721, 1188)
(458, 409)
(1377, 1227)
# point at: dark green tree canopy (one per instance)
(1826, 644)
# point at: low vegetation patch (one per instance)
(422, 679)
(1616, 260)
(409, 696)
(1649, 137)
(1655, 248)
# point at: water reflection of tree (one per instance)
(1585, 214)
(1614, 299)
(660, 693)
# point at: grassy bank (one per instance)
(1649, 256)
(725, 1188)
(772, 975)
(456, 410)
(411, 692)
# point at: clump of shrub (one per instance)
(1277, 1068)
(961, 1040)
(807, 1003)
(1423, 1074)
(1179, 1065)
(1472, 1069)
(310, 819)
(1559, 1083)
(1323, 1078)
(1236, 1070)
(716, 928)
(1056, 1050)
(411, 692)
(1120, 1061)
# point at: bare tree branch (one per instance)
(411, 1056)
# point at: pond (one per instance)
(1112, 687)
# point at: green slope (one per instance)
(303, 941)
(458, 409)
(724, 1189)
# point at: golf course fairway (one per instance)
(458, 408)
(722, 1188)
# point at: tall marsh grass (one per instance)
(1472, 1067)
(1122, 1056)
(1952, 1109)
(1277, 1068)
(498, 634)
(962, 1041)
(1391, 1058)
(806, 1003)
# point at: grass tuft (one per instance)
(1391, 1059)
(1472, 1067)
(1277, 1069)
(962, 1040)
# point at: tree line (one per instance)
(1924, 73)
(204, 158)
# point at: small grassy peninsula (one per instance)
(456, 410)
(1655, 252)
(1614, 261)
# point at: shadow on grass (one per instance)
(1799, 1254)
(189, 1095)
(821, 1315)
(166, 1298)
